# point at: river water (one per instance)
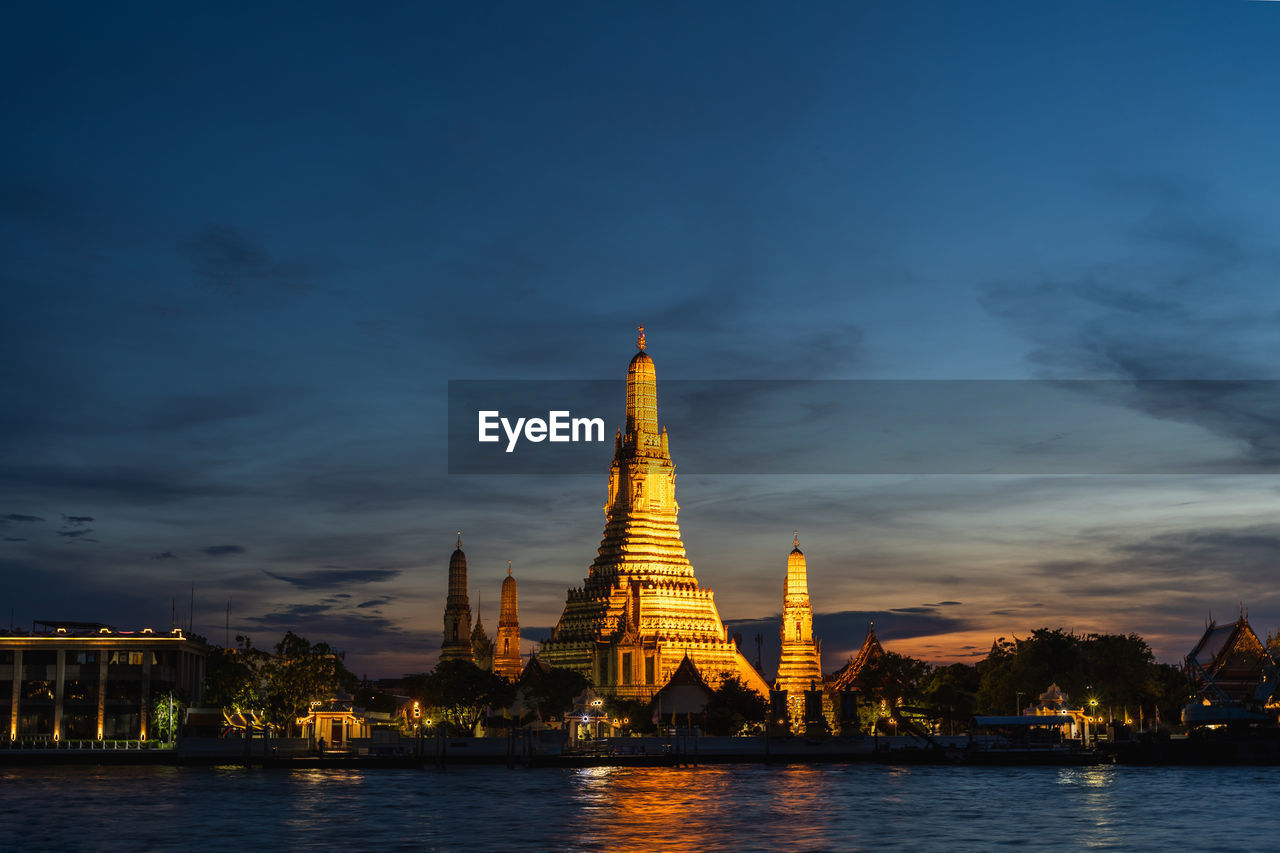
(713, 807)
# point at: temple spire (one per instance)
(457, 610)
(640, 338)
(799, 666)
(506, 658)
(642, 402)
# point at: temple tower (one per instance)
(457, 610)
(799, 668)
(640, 609)
(481, 646)
(506, 657)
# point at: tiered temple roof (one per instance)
(1229, 662)
(845, 677)
(640, 610)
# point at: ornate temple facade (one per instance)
(457, 610)
(640, 610)
(798, 667)
(506, 656)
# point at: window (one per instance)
(626, 667)
(648, 669)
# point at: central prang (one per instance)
(640, 610)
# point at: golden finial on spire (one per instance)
(640, 338)
(508, 568)
(459, 540)
(795, 539)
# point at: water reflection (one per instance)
(698, 808)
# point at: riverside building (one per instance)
(89, 681)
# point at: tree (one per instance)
(233, 678)
(886, 683)
(553, 692)
(735, 708)
(460, 692)
(1118, 670)
(637, 713)
(893, 677)
(301, 673)
(1122, 670)
(167, 715)
(1029, 666)
(952, 691)
(371, 698)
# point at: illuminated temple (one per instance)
(506, 658)
(798, 666)
(640, 610)
(457, 610)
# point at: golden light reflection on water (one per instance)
(697, 808)
(1094, 805)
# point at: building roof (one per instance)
(844, 677)
(686, 691)
(1228, 662)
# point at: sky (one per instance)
(247, 249)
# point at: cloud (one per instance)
(13, 539)
(1192, 310)
(842, 632)
(167, 555)
(374, 602)
(230, 260)
(71, 534)
(128, 485)
(77, 519)
(223, 550)
(13, 516)
(330, 578)
(322, 622)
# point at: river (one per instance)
(717, 807)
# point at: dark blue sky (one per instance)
(245, 250)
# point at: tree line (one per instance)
(1118, 671)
